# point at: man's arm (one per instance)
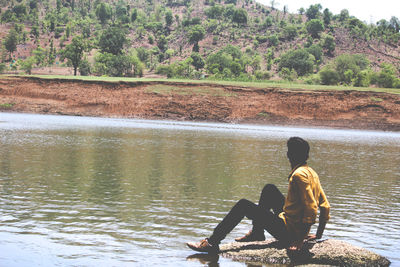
(323, 219)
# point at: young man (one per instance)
(288, 220)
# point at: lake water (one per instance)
(77, 191)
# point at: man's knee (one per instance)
(269, 188)
(244, 204)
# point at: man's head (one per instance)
(298, 150)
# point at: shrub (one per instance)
(315, 27)
(329, 76)
(262, 75)
(85, 68)
(288, 74)
(2, 67)
(362, 79)
(299, 60)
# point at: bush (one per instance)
(313, 79)
(2, 67)
(362, 79)
(315, 27)
(329, 76)
(299, 60)
(354, 63)
(288, 74)
(262, 75)
(27, 64)
(85, 68)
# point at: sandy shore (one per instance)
(202, 102)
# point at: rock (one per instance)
(326, 252)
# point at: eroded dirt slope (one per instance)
(202, 102)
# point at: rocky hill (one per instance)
(166, 33)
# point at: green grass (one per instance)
(261, 84)
(7, 105)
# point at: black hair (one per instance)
(298, 149)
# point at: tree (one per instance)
(74, 52)
(329, 76)
(313, 12)
(169, 18)
(329, 44)
(395, 24)
(353, 62)
(112, 40)
(40, 55)
(134, 15)
(27, 64)
(198, 61)
(162, 43)
(11, 41)
(240, 16)
(327, 17)
(299, 60)
(315, 27)
(103, 12)
(344, 15)
(196, 34)
(215, 12)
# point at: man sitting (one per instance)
(287, 219)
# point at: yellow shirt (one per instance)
(305, 196)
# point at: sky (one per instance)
(365, 10)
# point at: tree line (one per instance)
(97, 37)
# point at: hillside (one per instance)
(161, 36)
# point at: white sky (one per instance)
(366, 10)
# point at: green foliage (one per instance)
(134, 15)
(162, 43)
(112, 40)
(313, 12)
(119, 65)
(349, 66)
(344, 15)
(169, 18)
(196, 34)
(11, 41)
(290, 32)
(299, 60)
(40, 56)
(262, 75)
(240, 16)
(2, 67)
(85, 68)
(28, 64)
(143, 54)
(327, 17)
(103, 12)
(74, 52)
(315, 27)
(363, 79)
(197, 61)
(386, 77)
(227, 61)
(316, 51)
(288, 74)
(215, 12)
(329, 44)
(182, 69)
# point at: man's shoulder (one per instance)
(304, 172)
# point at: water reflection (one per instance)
(73, 193)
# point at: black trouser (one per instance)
(261, 215)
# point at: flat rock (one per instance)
(326, 252)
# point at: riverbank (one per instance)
(202, 101)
